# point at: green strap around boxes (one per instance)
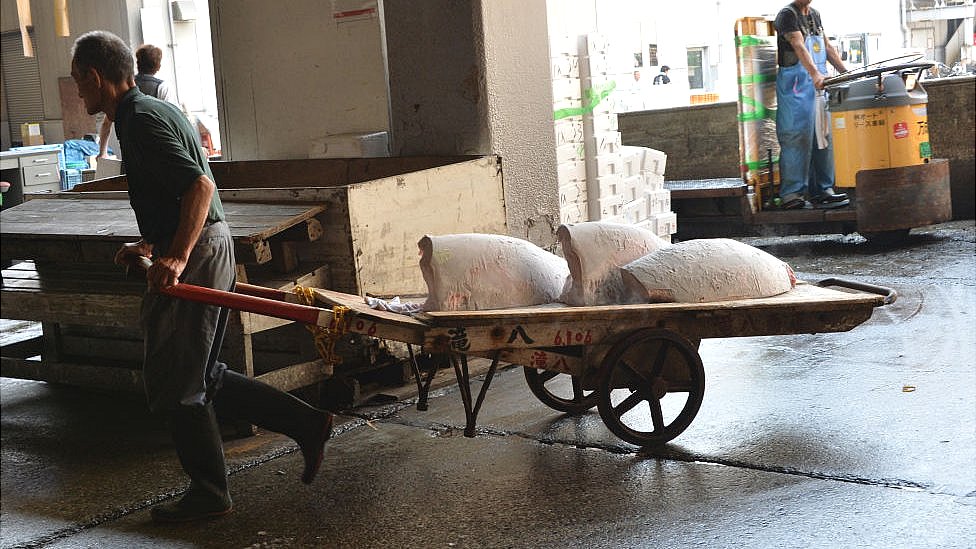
(759, 164)
(749, 40)
(592, 98)
(760, 111)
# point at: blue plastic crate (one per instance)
(70, 178)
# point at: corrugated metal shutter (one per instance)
(22, 83)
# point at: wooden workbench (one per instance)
(61, 251)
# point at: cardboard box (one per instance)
(30, 134)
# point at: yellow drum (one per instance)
(878, 122)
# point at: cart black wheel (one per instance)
(651, 387)
(551, 388)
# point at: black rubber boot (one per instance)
(196, 436)
(242, 397)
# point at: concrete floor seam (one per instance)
(95, 522)
(443, 429)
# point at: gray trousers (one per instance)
(186, 384)
(183, 338)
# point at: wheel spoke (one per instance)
(634, 371)
(628, 403)
(547, 375)
(577, 389)
(662, 355)
(657, 415)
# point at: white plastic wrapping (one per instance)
(594, 252)
(706, 270)
(472, 272)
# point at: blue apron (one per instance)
(803, 168)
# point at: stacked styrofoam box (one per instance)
(570, 153)
(660, 219)
(603, 169)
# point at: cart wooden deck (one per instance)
(591, 344)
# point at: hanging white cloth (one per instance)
(821, 120)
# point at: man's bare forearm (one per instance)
(194, 205)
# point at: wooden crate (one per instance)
(754, 26)
(372, 224)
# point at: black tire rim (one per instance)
(651, 387)
(552, 389)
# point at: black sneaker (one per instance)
(828, 196)
(185, 511)
(829, 204)
(796, 204)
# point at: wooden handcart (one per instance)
(638, 364)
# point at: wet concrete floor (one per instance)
(859, 439)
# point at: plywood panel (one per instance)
(388, 216)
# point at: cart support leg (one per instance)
(460, 363)
(423, 383)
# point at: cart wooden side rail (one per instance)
(617, 357)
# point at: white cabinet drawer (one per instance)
(40, 175)
(40, 160)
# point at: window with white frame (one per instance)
(696, 68)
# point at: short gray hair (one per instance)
(104, 52)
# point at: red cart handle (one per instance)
(246, 297)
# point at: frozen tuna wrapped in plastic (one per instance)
(706, 270)
(473, 272)
(595, 251)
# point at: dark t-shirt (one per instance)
(790, 19)
(162, 158)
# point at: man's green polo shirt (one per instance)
(162, 157)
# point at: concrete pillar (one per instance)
(472, 77)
